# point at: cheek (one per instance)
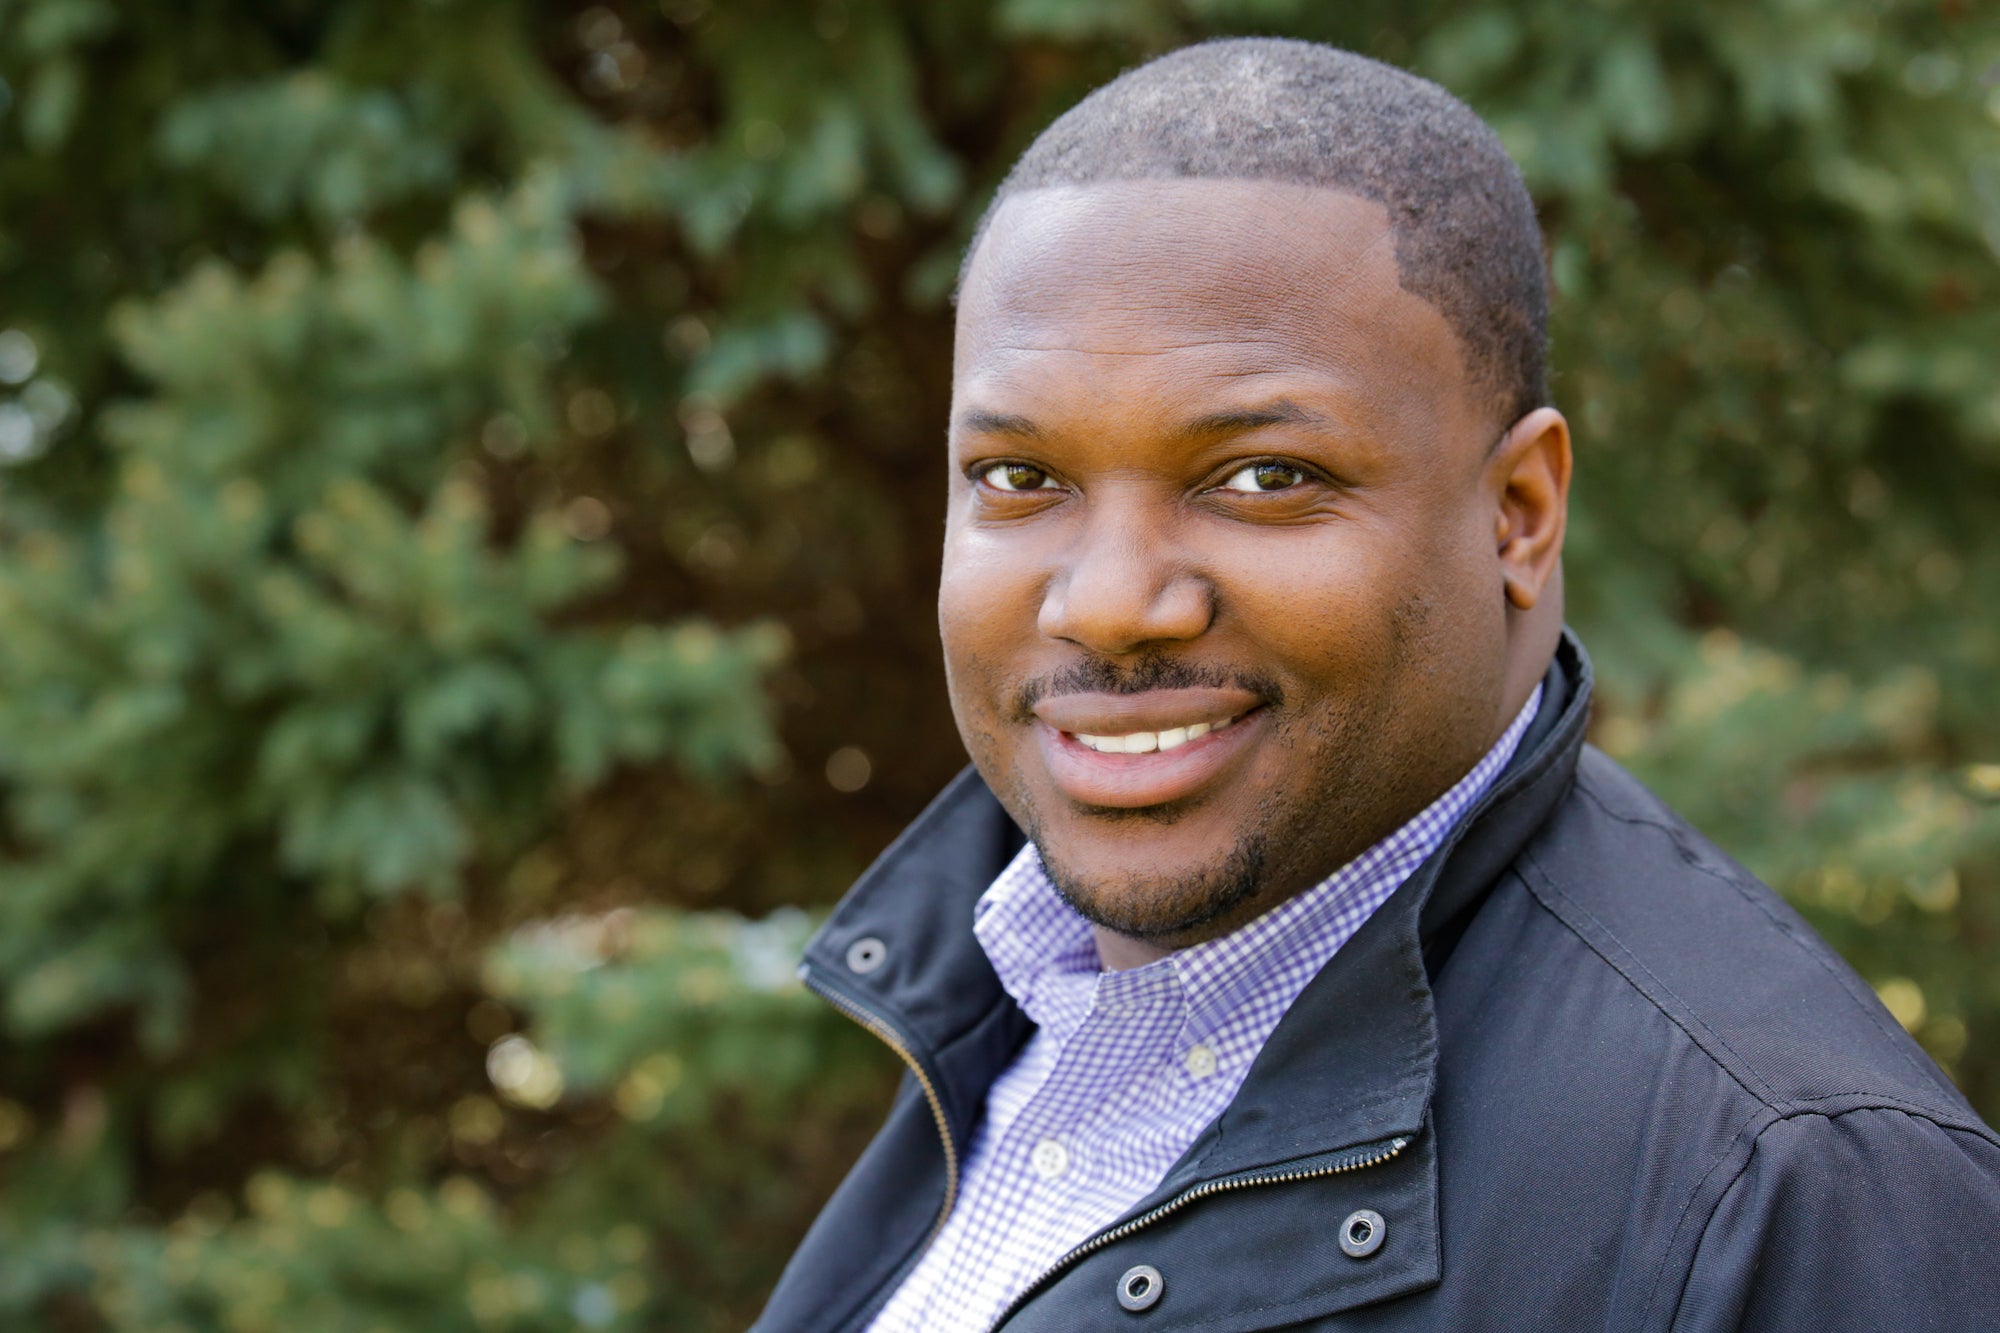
(969, 598)
(1320, 609)
(1448, 630)
(982, 629)
(987, 605)
(1365, 610)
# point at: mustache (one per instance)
(1101, 675)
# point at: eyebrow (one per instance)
(1282, 412)
(998, 423)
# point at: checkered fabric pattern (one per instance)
(1127, 1068)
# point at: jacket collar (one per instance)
(1355, 1058)
(1353, 1061)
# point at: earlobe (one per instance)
(1520, 595)
(1529, 479)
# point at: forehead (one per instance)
(1199, 281)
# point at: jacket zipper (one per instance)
(888, 1036)
(1367, 1155)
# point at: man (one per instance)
(1288, 960)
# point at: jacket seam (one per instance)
(1783, 926)
(1743, 1167)
(1687, 1207)
(1764, 1102)
(1742, 1077)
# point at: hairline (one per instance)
(1494, 396)
(1463, 224)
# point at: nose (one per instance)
(1122, 586)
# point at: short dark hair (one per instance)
(1268, 108)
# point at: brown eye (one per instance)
(1263, 477)
(1017, 477)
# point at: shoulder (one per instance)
(1697, 942)
(1643, 1046)
(1862, 1219)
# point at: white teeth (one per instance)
(1145, 742)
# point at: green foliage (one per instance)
(316, 1256)
(661, 1016)
(287, 540)
(305, 141)
(468, 495)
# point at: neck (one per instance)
(1120, 952)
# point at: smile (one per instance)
(1131, 751)
(1146, 742)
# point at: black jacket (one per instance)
(1588, 1071)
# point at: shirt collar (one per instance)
(1046, 957)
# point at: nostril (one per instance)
(1116, 606)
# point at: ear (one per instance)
(1528, 474)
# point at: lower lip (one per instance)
(1135, 781)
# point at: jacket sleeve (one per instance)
(1869, 1219)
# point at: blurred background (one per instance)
(470, 493)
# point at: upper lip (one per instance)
(1149, 710)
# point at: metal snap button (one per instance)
(1140, 1287)
(866, 954)
(1362, 1233)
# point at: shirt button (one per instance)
(1050, 1159)
(1200, 1061)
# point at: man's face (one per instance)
(1220, 604)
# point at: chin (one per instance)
(1169, 906)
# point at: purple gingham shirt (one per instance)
(1127, 1068)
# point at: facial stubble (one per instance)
(1164, 909)
(1155, 909)
(1255, 874)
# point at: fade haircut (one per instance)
(1275, 109)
